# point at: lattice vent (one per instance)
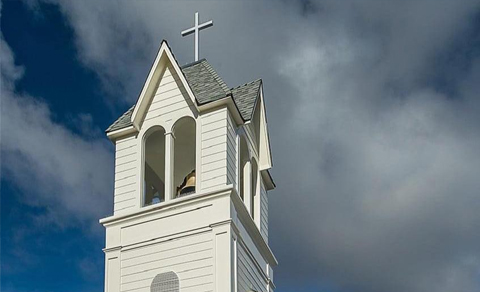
(165, 282)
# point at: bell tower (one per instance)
(192, 160)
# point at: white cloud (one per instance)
(68, 176)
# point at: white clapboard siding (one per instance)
(249, 242)
(170, 98)
(214, 149)
(263, 211)
(125, 191)
(191, 258)
(167, 104)
(248, 277)
(231, 153)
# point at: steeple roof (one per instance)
(204, 81)
(208, 86)
(245, 96)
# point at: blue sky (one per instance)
(373, 113)
(43, 45)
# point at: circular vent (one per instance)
(165, 282)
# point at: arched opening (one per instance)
(184, 177)
(154, 167)
(244, 168)
(165, 282)
(253, 192)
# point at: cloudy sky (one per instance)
(374, 119)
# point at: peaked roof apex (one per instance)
(148, 88)
(204, 84)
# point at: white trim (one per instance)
(114, 135)
(167, 238)
(110, 249)
(252, 229)
(143, 138)
(235, 259)
(163, 205)
(164, 57)
(265, 161)
(228, 101)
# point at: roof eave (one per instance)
(226, 101)
(267, 178)
(128, 130)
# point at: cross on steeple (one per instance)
(196, 29)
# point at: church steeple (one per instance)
(192, 164)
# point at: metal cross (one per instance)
(196, 29)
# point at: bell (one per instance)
(188, 185)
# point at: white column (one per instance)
(169, 163)
(234, 263)
(238, 163)
(247, 186)
(112, 270)
(223, 254)
(198, 156)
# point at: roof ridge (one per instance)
(192, 63)
(251, 82)
(208, 86)
(216, 77)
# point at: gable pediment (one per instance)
(165, 78)
(170, 99)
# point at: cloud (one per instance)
(379, 101)
(68, 176)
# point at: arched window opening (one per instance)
(184, 157)
(244, 165)
(165, 282)
(154, 167)
(253, 192)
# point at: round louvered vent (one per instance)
(165, 282)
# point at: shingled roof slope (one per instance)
(245, 97)
(205, 83)
(207, 86)
(123, 121)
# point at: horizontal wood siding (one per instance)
(249, 277)
(126, 172)
(170, 98)
(214, 149)
(231, 153)
(263, 211)
(191, 258)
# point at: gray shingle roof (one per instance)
(122, 122)
(207, 86)
(204, 81)
(245, 97)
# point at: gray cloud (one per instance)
(379, 100)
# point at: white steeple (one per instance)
(192, 161)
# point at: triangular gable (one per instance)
(163, 59)
(265, 155)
